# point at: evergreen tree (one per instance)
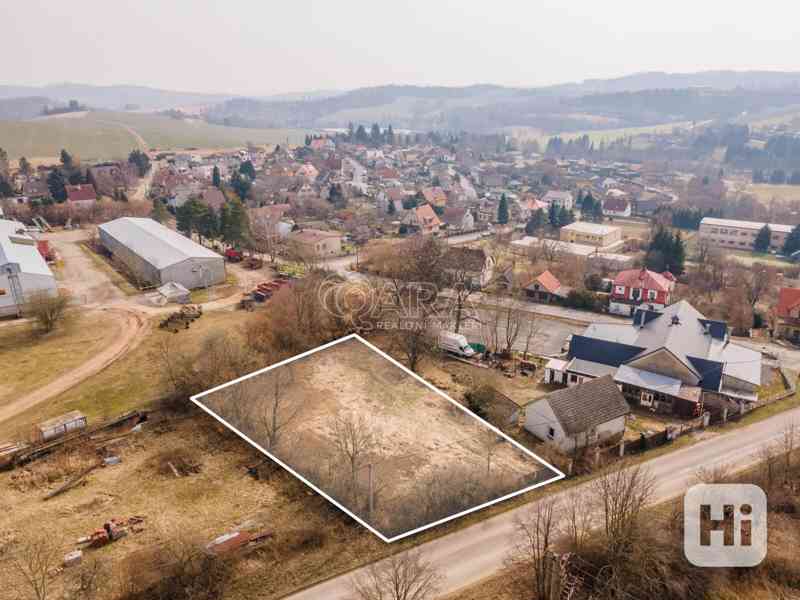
(66, 160)
(216, 178)
(188, 216)
(140, 160)
(391, 209)
(597, 212)
(565, 217)
(208, 224)
(390, 135)
(56, 183)
(792, 243)
(236, 224)
(667, 252)
(361, 135)
(535, 223)
(762, 241)
(375, 134)
(552, 215)
(758, 176)
(241, 184)
(502, 210)
(247, 168)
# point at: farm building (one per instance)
(156, 255)
(23, 271)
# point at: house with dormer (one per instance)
(670, 360)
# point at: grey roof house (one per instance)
(668, 360)
(579, 416)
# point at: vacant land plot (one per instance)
(30, 360)
(766, 192)
(374, 438)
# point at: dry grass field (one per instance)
(30, 359)
(426, 452)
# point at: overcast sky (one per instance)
(267, 46)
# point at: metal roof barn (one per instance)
(23, 271)
(157, 255)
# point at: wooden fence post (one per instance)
(622, 448)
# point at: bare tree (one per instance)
(790, 438)
(578, 519)
(533, 548)
(46, 309)
(531, 333)
(278, 413)
(490, 442)
(404, 576)
(623, 494)
(354, 439)
(32, 563)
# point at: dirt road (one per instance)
(87, 283)
(133, 330)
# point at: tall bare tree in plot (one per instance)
(404, 576)
(490, 443)
(354, 439)
(278, 410)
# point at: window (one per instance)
(551, 433)
(573, 378)
(651, 294)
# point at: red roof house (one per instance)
(786, 314)
(544, 288)
(82, 195)
(637, 286)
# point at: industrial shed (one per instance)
(157, 255)
(23, 271)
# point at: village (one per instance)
(590, 310)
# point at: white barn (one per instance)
(157, 255)
(23, 270)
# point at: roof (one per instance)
(648, 380)
(152, 242)
(590, 228)
(82, 192)
(557, 196)
(752, 225)
(69, 417)
(700, 344)
(20, 248)
(213, 198)
(580, 408)
(788, 298)
(548, 281)
(592, 369)
(615, 203)
(426, 215)
(643, 278)
(312, 236)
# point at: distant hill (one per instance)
(16, 109)
(113, 97)
(638, 100)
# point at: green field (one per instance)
(597, 135)
(109, 135)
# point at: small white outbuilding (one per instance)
(23, 270)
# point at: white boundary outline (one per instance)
(196, 399)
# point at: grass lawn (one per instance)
(134, 381)
(31, 360)
(766, 192)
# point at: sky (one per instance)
(260, 47)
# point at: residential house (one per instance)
(634, 287)
(435, 196)
(580, 416)
(112, 179)
(315, 243)
(423, 219)
(786, 315)
(473, 267)
(672, 360)
(458, 219)
(323, 144)
(81, 196)
(561, 199)
(616, 206)
(545, 288)
(36, 189)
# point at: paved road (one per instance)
(476, 552)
